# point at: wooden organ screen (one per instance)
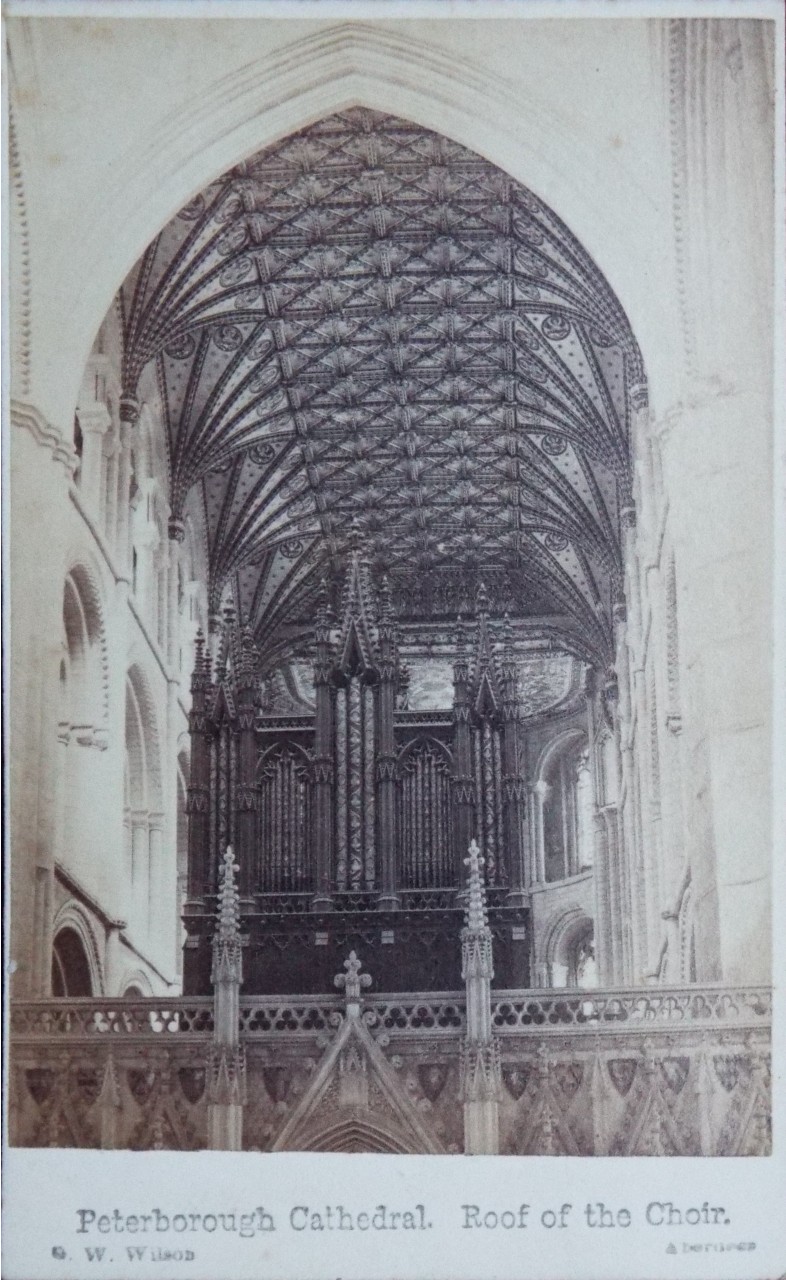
(424, 817)
(283, 826)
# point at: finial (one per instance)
(322, 602)
(461, 638)
(507, 638)
(482, 600)
(202, 669)
(476, 890)
(385, 600)
(353, 979)
(403, 686)
(355, 536)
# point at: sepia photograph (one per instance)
(390, 599)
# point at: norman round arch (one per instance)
(86, 673)
(563, 936)
(143, 748)
(73, 924)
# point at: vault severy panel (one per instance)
(368, 326)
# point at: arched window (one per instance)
(582, 966)
(569, 950)
(70, 966)
(84, 686)
(566, 797)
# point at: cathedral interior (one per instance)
(378, 795)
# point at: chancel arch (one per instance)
(396, 397)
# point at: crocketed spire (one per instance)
(476, 917)
(228, 901)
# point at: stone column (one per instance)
(480, 1061)
(514, 786)
(386, 756)
(227, 1065)
(176, 536)
(246, 791)
(129, 416)
(463, 780)
(198, 798)
(111, 462)
(140, 856)
(94, 420)
(322, 769)
(604, 939)
(157, 888)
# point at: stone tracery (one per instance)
(370, 324)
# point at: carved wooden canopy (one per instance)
(367, 326)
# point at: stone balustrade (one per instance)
(662, 1070)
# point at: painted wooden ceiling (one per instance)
(368, 328)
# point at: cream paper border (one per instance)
(44, 1189)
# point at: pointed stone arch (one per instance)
(356, 1135)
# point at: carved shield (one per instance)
(622, 1072)
(675, 1072)
(727, 1069)
(432, 1077)
(277, 1081)
(39, 1082)
(568, 1076)
(192, 1082)
(88, 1082)
(140, 1082)
(515, 1078)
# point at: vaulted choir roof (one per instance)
(368, 327)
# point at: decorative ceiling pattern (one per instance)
(369, 327)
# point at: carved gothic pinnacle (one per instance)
(228, 901)
(461, 639)
(385, 600)
(322, 603)
(507, 639)
(248, 649)
(481, 600)
(476, 917)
